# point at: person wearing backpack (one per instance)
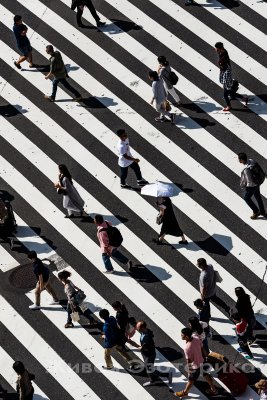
(169, 79)
(110, 239)
(24, 384)
(252, 176)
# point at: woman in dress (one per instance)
(170, 225)
(72, 201)
(159, 97)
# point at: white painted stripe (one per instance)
(134, 291)
(240, 250)
(45, 355)
(132, 242)
(7, 262)
(10, 375)
(258, 6)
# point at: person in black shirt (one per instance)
(23, 43)
(123, 322)
(42, 275)
(79, 4)
(245, 310)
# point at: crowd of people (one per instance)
(120, 330)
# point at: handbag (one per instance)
(61, 191)
(167, 105)
(75, 316)
(159, 219)
(218, 277)
(79, 297)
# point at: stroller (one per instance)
(7, 223)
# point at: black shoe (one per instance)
(81, 25)
(159, 242)
(183, 242)
(99, 23)
(17, 65)
(126, 186)
(142, 182)
(173, 116)
(69, 216)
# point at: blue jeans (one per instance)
(254, 191)
(65, 83)
(116, 254)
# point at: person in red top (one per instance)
(107, 250)
(241, 327)
(193, 351)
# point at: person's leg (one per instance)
(88, 315)
(65, 83)
(217, 300)
(135, 167)
(124, 354)
(175, 95)
(21, 59)
(207, 303)
(245, 347)
(69, 311)
(226, 93)
(258, 198)
(124, 173)
(91, 7)
(150, 368)
(48, 287)
(29, 58)
(119, 256)
(249, 192)
(79, 15)
(209, 379)
(107, 356)
(162, 111)
(107, 262)
(54, 88)
(37, 294)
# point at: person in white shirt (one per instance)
(127, 160)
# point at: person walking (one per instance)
(164, 72)
(170, 224)
(42, 274)
(113, 341)
(252, 188)
(80, 4)
(241, 327)
(23, 43)
(200, 330)
(123, 322)
(148, 351)
(207, 285)
(72, 201)
(194, 353)
(159, 97)
(245, 310)
(24, 382)
(107, 249)
(59, 74)
(126, 160)
(70, 289)
(203, 310)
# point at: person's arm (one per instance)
(104, 241)
(154, 93)
(52, 65)
(131, 158)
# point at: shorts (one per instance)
(25, 50)
(194, 375)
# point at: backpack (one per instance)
(257, 174)
(114, 236)
(173, 78)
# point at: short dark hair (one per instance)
(236, 316)
(116, 305)
(50, 47)
(187, 332)
(219, 45)
(17, 18)
(142, 324)
(201, 262)
(198, 303)
(64, 275)
(32, 254)
(162, 60)
(242, 157)
(18, 367)
(104, 314)
(153, 75)
(99, 219)
(120, 132)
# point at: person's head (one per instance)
(162, 61)
(98, 220)
(219, 47)
(141, 326)
(240, 292)
(64, 171)
(63, 276)
(18, 19)
(153, 75)
(195, 325)
(236, 317)
(198, 303)
(49, 49)
(18, 367)
(104, 314)
(186, 334)
(201, 263)
(242, 158)
(32, 255)
(117, 306)
(122, 134)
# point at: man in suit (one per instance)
(79, 4)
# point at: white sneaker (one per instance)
(34, 307)
(53, 303)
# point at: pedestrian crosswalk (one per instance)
(198, 154)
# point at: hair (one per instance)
(198, 303)
(195, 325)
(64, 170)
(236, 316)
(17, 18)
(202, 262)
(163, 61)
(116, 305)
(32, 254)
(153, 75)
(142, 324)
(99, 219)
(120, 132)
(242, 157)
(187, 332)
(49, 47)
(18, 367)
(219, 45)
(104, 314)
(64, 275)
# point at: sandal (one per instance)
(181, 394)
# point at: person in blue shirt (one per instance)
(23, 43)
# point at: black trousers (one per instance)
(219, 302)
(136, 169)
(152, 373)
(226, 94)
(91, 7)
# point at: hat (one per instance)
(262, 384)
